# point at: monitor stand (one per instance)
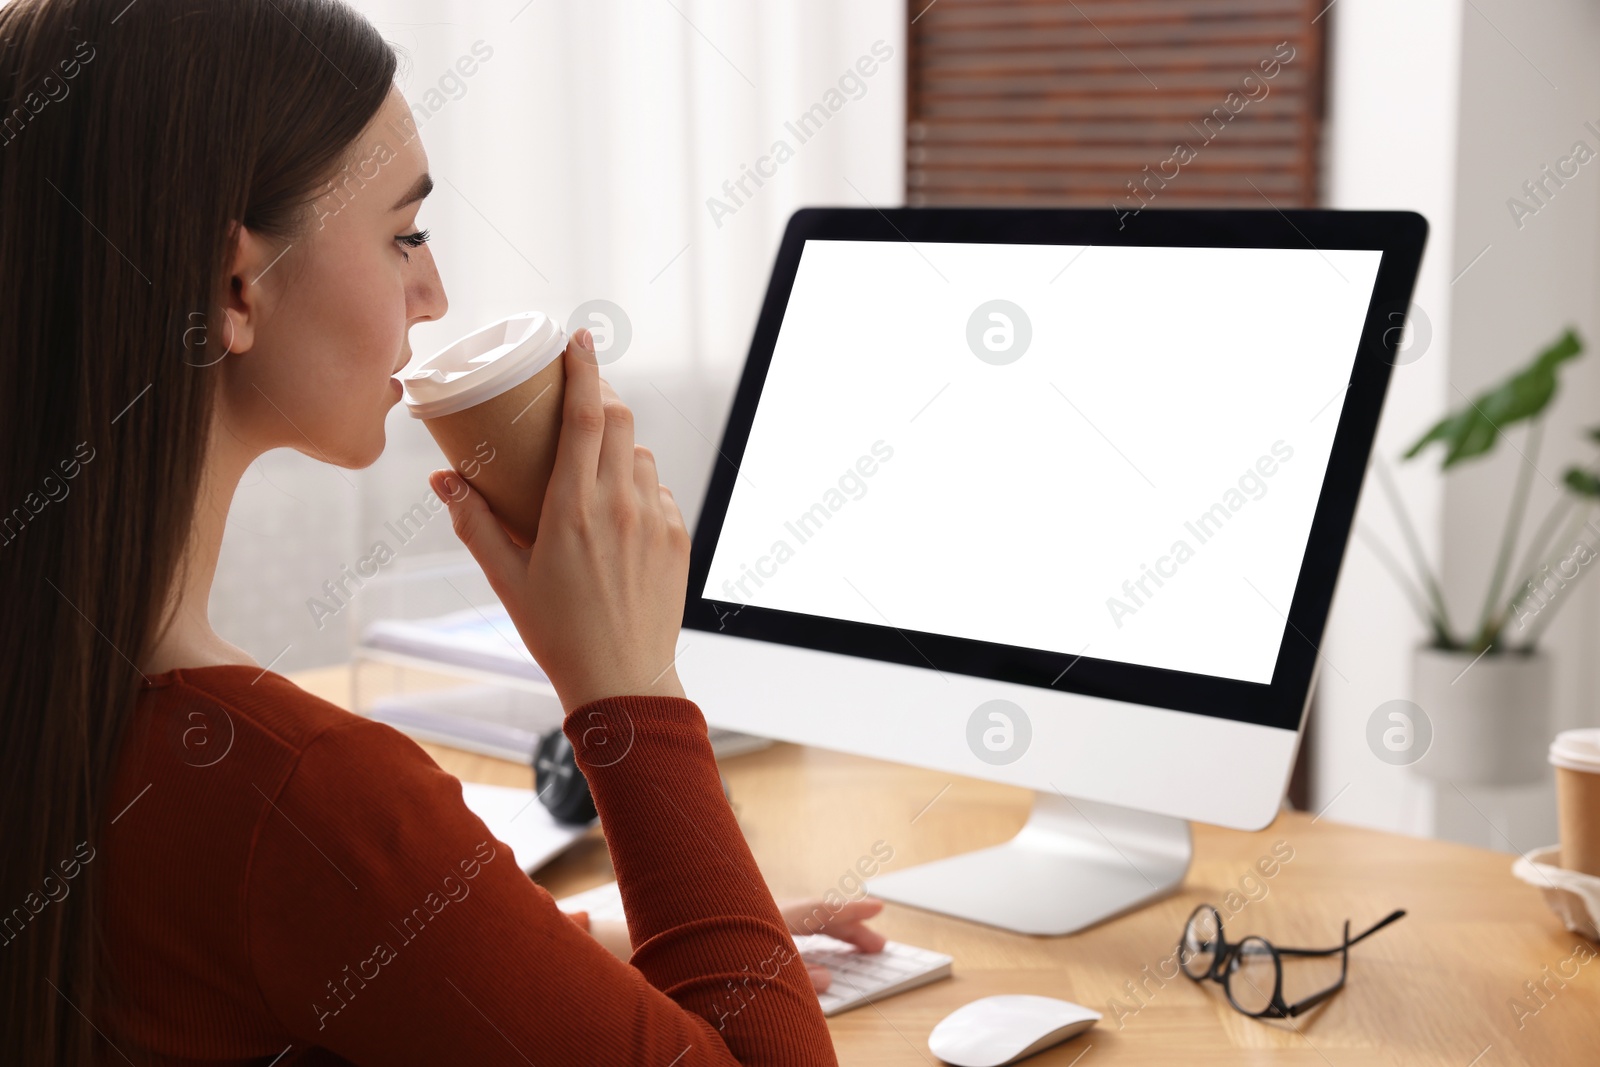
(1074, 864)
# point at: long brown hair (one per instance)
(131, 136)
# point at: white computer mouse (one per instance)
(998, 1030)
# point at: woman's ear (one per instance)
(243, 299)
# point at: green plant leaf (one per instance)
(1471, 430)
(1582, 482)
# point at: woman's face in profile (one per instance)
(312, 366)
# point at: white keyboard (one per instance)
(858, 977)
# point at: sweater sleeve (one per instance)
(387, 925)
(721, 949)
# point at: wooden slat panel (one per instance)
(1108, 13)
(1098, 130)
(1102, 190)
(1196, 89)
(984, 197)
(1056, 101)
(1132, 39)
(1191, 108)
(1249, 159)
(1225, 57)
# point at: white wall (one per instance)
(1529, 85)
(1449, 107)
(1390, 143)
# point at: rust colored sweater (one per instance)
(286, 879)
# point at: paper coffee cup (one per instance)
(492, 401)
(1576, 756)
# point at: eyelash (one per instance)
(413, 240)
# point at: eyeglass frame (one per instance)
(1224, 952)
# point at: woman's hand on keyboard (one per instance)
(845, 922)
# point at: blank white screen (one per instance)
(893, 477)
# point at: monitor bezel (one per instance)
(1398, 235)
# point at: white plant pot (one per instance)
(1490, 719)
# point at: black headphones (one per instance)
(561, 786)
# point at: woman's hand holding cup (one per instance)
(598, 597)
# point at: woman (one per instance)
(192, 277)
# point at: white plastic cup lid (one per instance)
(1577, 750)
(482, 365)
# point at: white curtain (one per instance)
(642, 152)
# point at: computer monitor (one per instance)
(1055, 498)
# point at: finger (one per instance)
(820, 978)
(616, 448)
(477, 527)
(864, 938)
(854, 911)
(670, 510)
(851, 911)
(645, 480)
(582, 424)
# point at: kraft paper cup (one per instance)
(492, 401)
(1576, 756)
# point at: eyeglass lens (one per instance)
(1200, 938)
(1252, 976)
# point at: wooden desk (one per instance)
(1438, 987)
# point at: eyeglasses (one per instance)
(1251, 971)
